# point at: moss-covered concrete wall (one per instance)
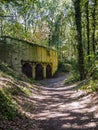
(14, 52)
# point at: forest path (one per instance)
(61, 107)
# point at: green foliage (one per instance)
(74, 73)
(95, 73)
(70, 66)
(91, 67)
(13, 90)
(17, 88)
(95, 70)
(72, 79)
(52, 22)
(9, 90)
(94, 85)
(90, 85)
(64, 66)
(5, 68)
(7, 108)
(74, 70)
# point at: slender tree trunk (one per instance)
(1, 24)
(94, 26)
(79, 38)
(88, 30)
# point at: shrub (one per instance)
(64, 66)
(94, 85)
(95, 73)
(7, 108)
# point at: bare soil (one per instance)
(62, 107)
(55, 106)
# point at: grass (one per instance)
(7, 71)
(91, 85)
(8, 109)
(11, 86)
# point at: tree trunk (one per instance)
(88, 30)
(94, 26)
(79, 38)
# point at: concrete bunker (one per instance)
(48, 71)
(27, 70)
(35, 61)
(39, 72)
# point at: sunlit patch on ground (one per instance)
(64, 108)
(58, 107)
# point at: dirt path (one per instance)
(55, 106)
(60, 107)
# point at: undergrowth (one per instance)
(64, 66)
(74, 73)
(91, 75)
(11, 86)
(72, 79)
(90, 85)
(8, 109)
(6, 69)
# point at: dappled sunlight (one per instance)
(61, 107)
(96, 114)
(64, 108)
(75, 104)
(91, 124)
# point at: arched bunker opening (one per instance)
(39, 72)
(27, 70)
(48, 71)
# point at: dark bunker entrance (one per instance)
(48, 71)
(27, 70)
(39, 72)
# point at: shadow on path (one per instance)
(62, 107)
(55, 106)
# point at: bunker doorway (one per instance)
(27, 70)
(48, 71)
(39, 72)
